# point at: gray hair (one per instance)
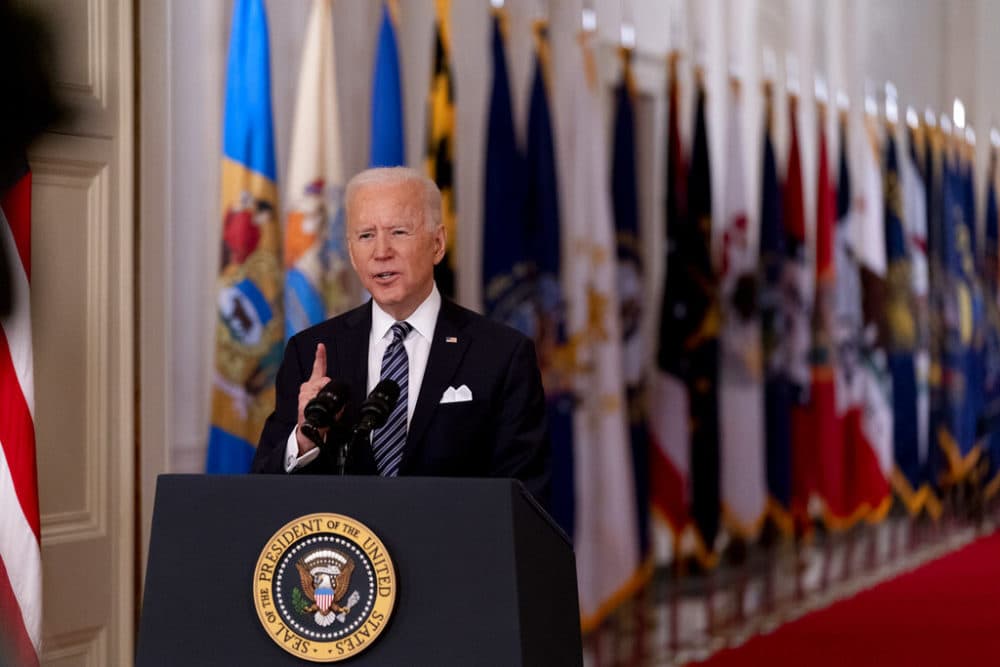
(396, 176)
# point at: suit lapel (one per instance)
(352, 355)
(441, 366)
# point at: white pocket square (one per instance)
(459, 395)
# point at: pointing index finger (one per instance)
(319, 365)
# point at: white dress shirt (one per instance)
(418, 349)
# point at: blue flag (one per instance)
(541, 220)
(991, 288)
(900, 327)
(250, 326)
(387, 149)
(625, 208)
(955, 428)
(933, 172)
(777, 391)
(507, 275)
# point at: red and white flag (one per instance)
(20, 556)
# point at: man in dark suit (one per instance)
(472, 403)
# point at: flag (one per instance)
(440, 160)
(541, 222)
(20, 556)
(900, 327)
(691, 318)
(956, 426)
(915, 219)
(798, 338)
(971, 262)
(933, 171)
(605, 530)
(507, 275)
(773, 307)
(387, 148)
(991, 287)
(631, 295)
(850, 371)
(741, 388)
(250, 326)
(827, 446)
(871, 455)
(669, 449)
(317, 268)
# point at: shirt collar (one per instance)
(423, 319)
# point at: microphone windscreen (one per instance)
(380, 403)
(388, 391)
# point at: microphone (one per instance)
(321, 412)
(378, 406)
(374, 412)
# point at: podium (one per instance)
(482, 576)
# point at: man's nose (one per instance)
(383, 245)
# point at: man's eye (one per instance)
(400, 232)
(365, 236)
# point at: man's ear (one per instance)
(440, 243)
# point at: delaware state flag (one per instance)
(250, 325)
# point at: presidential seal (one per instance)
(324, 587)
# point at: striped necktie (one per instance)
(388, 441)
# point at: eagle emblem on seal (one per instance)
(325, 575)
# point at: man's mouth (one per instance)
(385, 275)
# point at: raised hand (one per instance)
(307, 391)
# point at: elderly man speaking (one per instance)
(471, 402)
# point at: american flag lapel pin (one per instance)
(450, 339)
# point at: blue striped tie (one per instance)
(388, 441)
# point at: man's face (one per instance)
(392, 250)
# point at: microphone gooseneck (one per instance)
(374, 412)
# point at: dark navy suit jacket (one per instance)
(501, 432)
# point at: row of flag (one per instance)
(775, 394)
(795, 380)
(791, 397)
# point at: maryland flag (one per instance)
(318, 275)
(250, 323)
(440, 158)
(777, 390)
